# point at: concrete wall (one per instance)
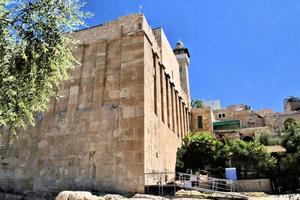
(104, 133)
(253, 185)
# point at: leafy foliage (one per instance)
(203, 151)
(287, 163)
(197, 103)
(291, 139)
(266, 138)
(291, 143)
(35, 55)
(198, 151)
(250, 157)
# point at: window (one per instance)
(180, 118)
(177, 113)
(167, 95)
(183, 116)
(162, 94)
(140, 26)
(172, 107)
(221, 115)
(155, 84)
(200, 122)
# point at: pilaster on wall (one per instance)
(161, 139)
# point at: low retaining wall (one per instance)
(253, 185)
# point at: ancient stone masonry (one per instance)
(239, 121)
(202, 119)
(292, 104)
(122, 116)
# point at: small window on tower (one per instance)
(200, 122)
(140, 26)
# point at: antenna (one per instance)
(140, 9)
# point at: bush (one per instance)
(266, 138)
(203, 151)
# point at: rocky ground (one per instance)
(180, 195)
(276, 197)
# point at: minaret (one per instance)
(182, 54)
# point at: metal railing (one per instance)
(161, 180)
(204, 182)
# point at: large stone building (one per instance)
(119, 121)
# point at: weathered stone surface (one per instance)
(191, 194)
(228, 196)
(114, 197)
(206, 115)
(115, 123)
(295, 197)
(77, 195)
(149, 197)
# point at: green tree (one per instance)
(250, 157)
(200, 151)
(35, 55)
(291, 136)
(203, 151)
(291, 142)
(266, 138)
(197, 103)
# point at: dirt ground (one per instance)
(276, 197)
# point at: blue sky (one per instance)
(242, 51)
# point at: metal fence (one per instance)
(167, 182)
(160, 182)
(192, 181)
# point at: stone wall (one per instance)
(291, 104)
(253, 185)
(207, 119)
(245, 133)
(166, 121)
(92, 137)
(122, 116)
(248, 118)
(276, 120)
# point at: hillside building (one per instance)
(240, 122)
